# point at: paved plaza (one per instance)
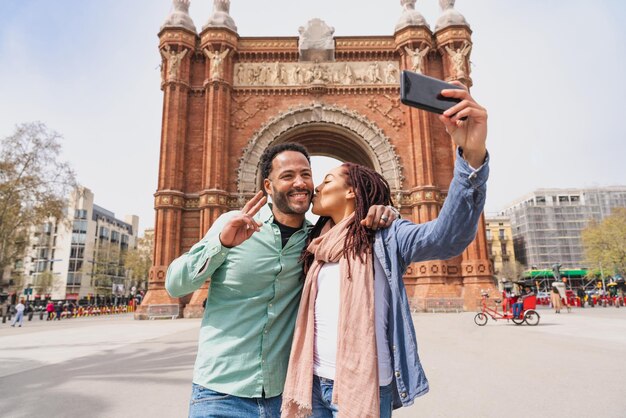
(570, 365)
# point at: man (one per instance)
(256, 279)
(518, 307)
(19, 314)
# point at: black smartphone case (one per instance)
(423, 92)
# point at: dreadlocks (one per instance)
(370, 189)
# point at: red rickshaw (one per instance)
(527, 315)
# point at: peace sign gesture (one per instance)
(241, 227)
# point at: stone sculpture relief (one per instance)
(173, 61)
(316, 35)
(417, 58)
(457, 56)
(179, 17)
(301, 73)
(220, 18)
(410, 16)
(217, 59)
(449, 16)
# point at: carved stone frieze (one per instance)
(169, 199)
(289, 74)
(369, 44)
(392, 110)
(421, 197)
(245, 109)
(476, 268)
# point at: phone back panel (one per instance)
(423, 92)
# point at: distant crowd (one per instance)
(64, 309)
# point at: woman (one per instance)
(555, 299)
(375, 338)
(354, 352)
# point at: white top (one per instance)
(19, 307)
(327, 321)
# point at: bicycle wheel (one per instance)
(517, 321)
(531, 317)
(480, 319)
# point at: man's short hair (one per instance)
(270, 153)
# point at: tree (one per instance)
(44, 282)
(139, 260)
(17, 282)
(605, 243)
(512, 270)
(34, 185)
(106, 267)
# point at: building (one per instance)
(81, 255)
(547, 223)
(500, 247)
(226, 98)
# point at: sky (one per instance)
(550, 74)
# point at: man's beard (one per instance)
(281, 202)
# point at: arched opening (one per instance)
(326, 131)
(330, 141)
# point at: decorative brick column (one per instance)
(177, 46)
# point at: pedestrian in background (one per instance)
(5, 310)
(59, 310)
(555, 299)
(19, 314)
(50, 310)
(581, 295)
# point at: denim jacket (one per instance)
(404, 243)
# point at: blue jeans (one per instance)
(323, 395)
(517, 309)
(206, 403)
(19, 318)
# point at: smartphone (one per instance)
(424, 92)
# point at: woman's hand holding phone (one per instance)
(471, 133)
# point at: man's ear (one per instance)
(267, 186)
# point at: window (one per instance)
(80, 226)
(115, 236)
(47, 228)
(74, 278)
(501, 234)
(77, 252)
(78, 238)
(489, 235)
(76, 265)
(41, 266)
(80, 214)
(503, 248)
(104, 232)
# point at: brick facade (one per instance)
(218, 118)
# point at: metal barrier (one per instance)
(443, 305)
(163, 311)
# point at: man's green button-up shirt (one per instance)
(250, 314)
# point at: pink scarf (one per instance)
(355, 389)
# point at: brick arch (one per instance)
(325, 130)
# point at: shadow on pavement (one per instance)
(88, 386)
